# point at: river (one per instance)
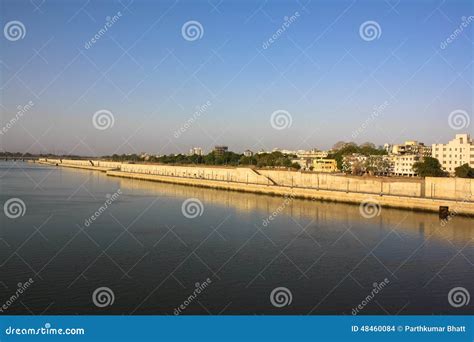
(170, 249)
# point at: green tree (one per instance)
(429, 167)
(366, 149)
(464, 171)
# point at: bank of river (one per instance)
(266, 185)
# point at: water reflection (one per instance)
(424, 224)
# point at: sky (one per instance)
(246, 74)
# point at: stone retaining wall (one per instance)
(459, 189)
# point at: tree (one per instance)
(464, 171)
(368, 145)
(337, 146)
(366, 149)
(296, 166)
(429, 167)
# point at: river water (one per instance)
(161, 247)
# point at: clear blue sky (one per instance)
(151, 79)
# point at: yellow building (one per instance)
(324, 165)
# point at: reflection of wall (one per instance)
(459, 228)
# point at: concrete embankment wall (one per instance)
(240, 175)
(83, 164)
(457, 189)
(344, 183)
(414, 203)
(452, 188)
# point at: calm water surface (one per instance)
(151, 256)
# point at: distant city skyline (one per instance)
(113, 77)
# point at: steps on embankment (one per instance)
(270, 180)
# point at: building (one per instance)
(457, 152)
(379, 165)
(314, 153)
(309, 154)
(409, 147)
(220, 150)
(403, 164)
(404, 156)
(375, 165)
(354, 163)
(324, 165)
(144, 156)
(248, 153)
(304, 163)
(196, 151)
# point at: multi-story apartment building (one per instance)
(409, 147)
(457, 152)
(404, 156)
(314, 153)
(220, 150)
(403, 164)
(248, 153)
(310, 154)
(196, 150)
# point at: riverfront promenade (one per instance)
(415, 194)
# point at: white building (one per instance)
(314, 153)
(409, 147)
(196, 151)
(457, 152)
(403, 164)
(248, 153)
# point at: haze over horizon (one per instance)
(150, 76)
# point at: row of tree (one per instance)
(274, 159)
